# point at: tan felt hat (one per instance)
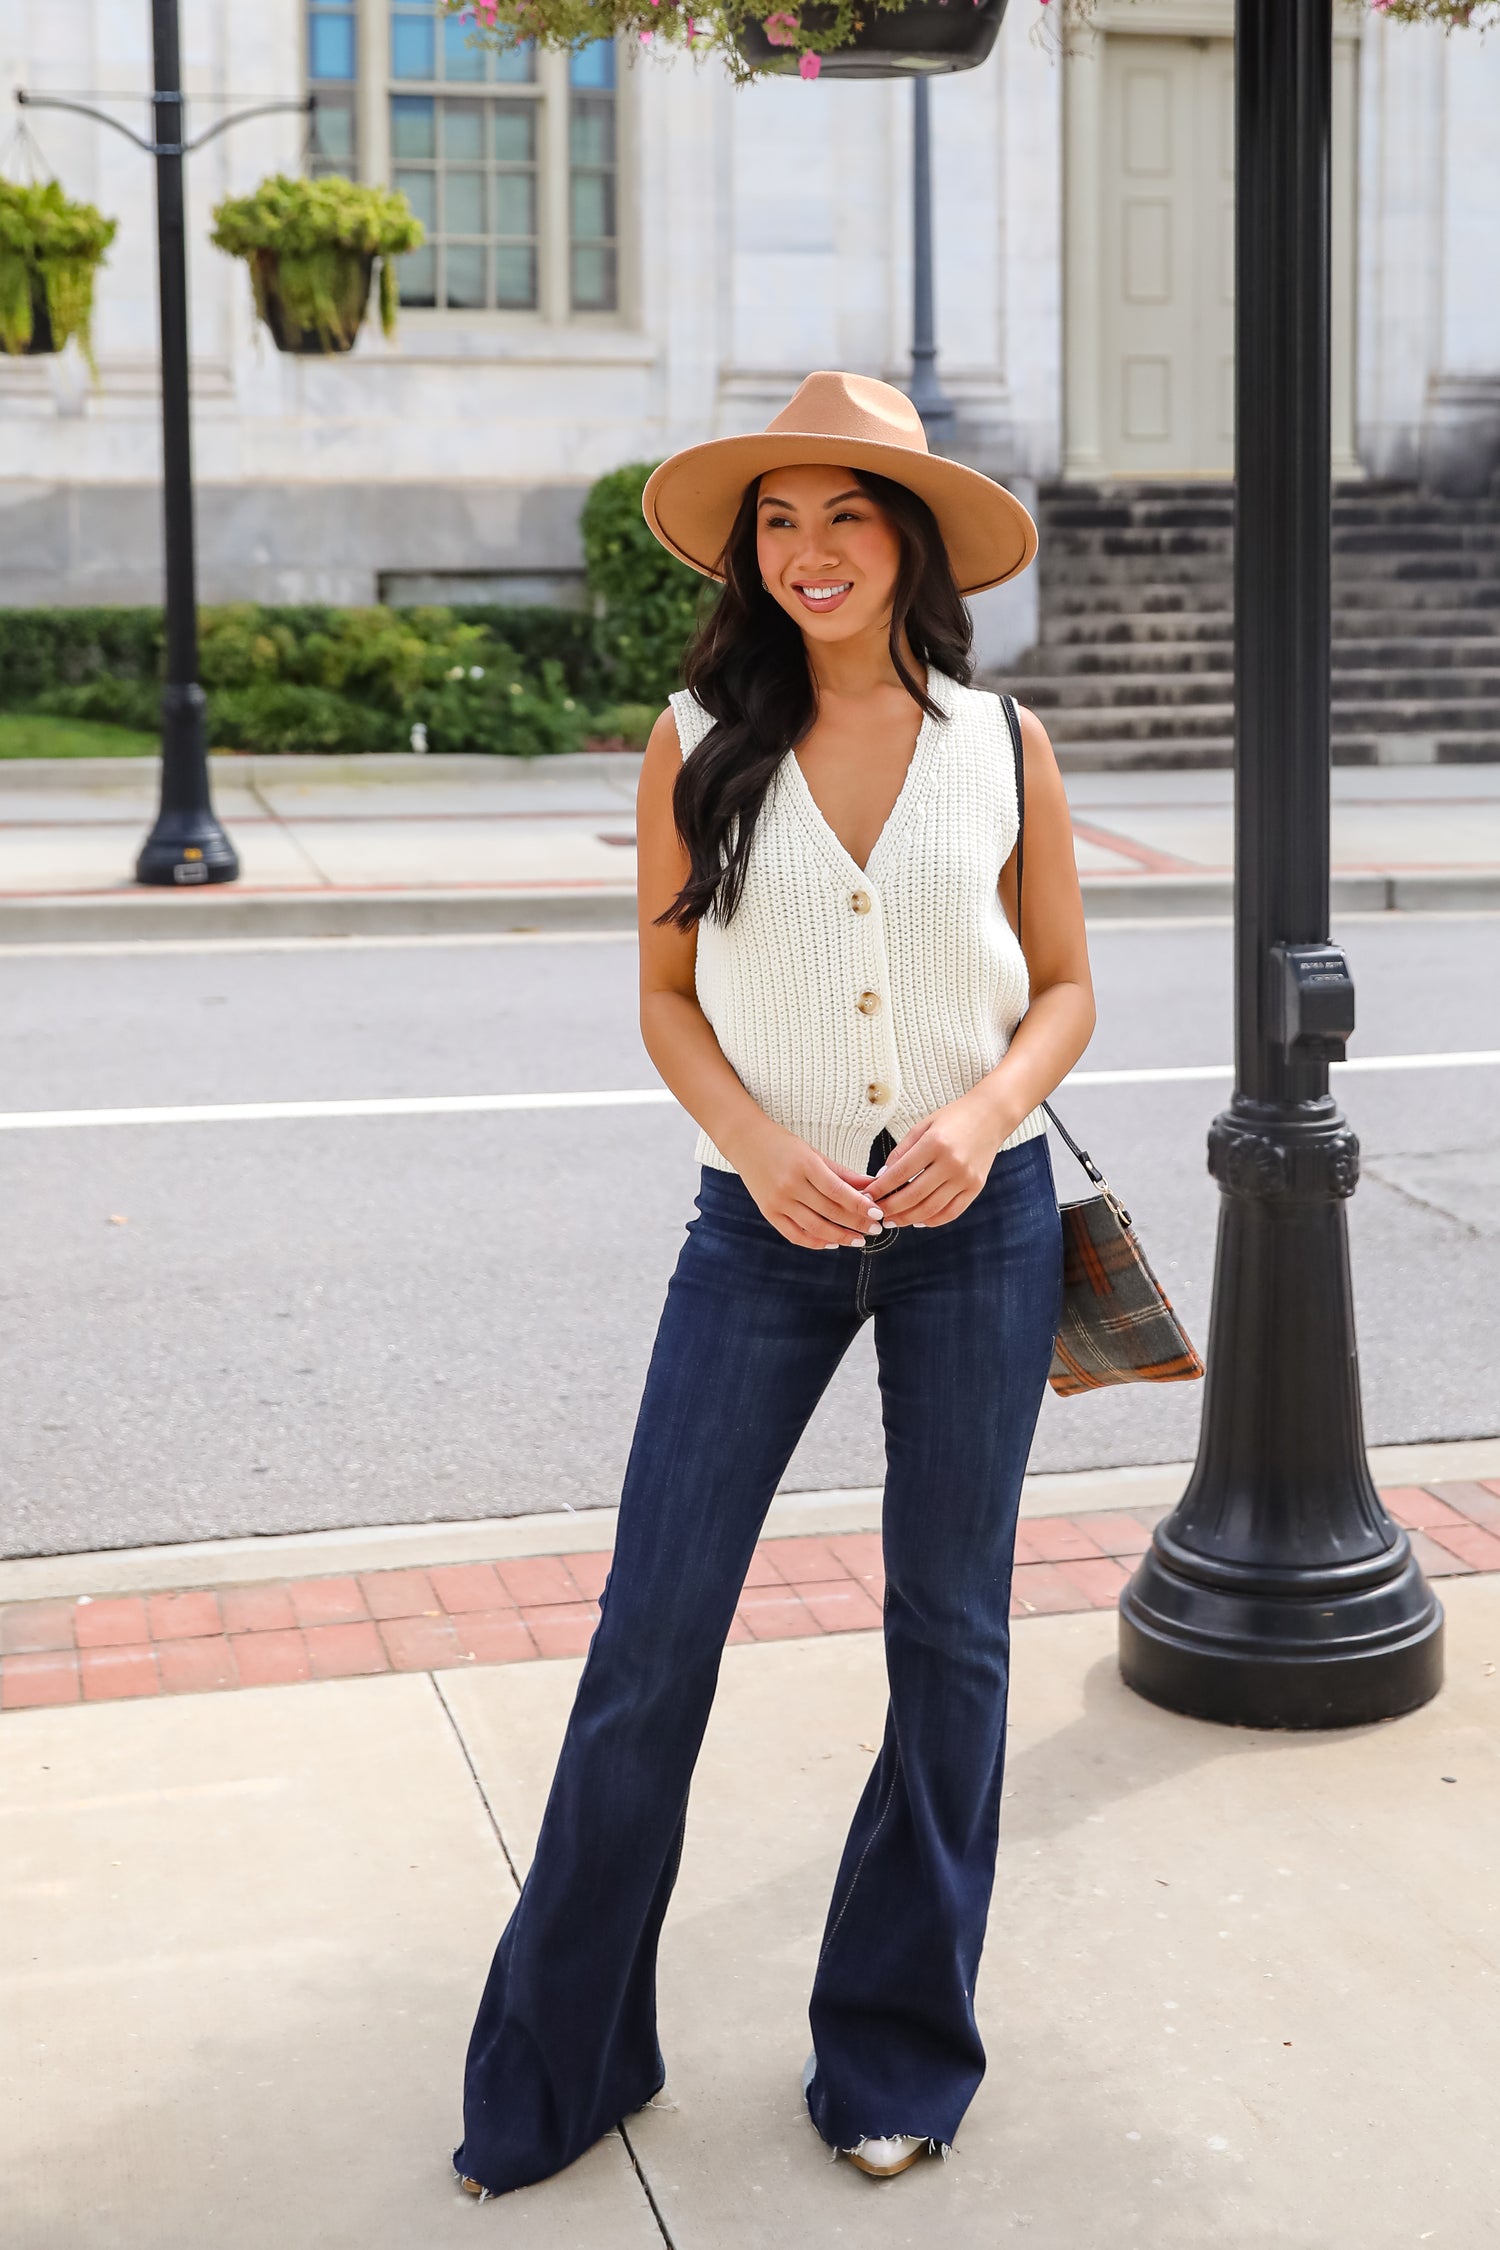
(847, 421)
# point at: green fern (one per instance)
(312, 243)
(49, 250)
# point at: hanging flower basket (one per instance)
(886, 41)
(49, 250)
(312, 246)
(757, 38)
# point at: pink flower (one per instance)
(781, 28)
(809, 66)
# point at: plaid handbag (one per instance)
(1117, 1322)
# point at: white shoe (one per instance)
(882, 2159)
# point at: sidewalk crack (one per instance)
(636, 2165)
(484, 1797)
(277, 820)
(647, 2190)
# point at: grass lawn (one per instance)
(31, 734)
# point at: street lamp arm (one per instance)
(305, 108)
(82, 109)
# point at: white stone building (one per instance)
(622, 270)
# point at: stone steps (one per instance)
(1134, 664)
(1139, 721)
(1124, 661)
(1363, 687)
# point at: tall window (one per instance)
(592, 162)
(510, 160)
(333, 75)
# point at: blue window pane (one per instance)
(330, 47)
(413, 126)
(413, 47)
(593, 65)
(460, 60)
(516, 66)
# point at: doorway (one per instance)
(1149, 324)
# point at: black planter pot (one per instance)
(309, 343)
(43, 343)
(927, 35)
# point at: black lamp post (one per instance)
(186, 846)
(927, 394)
(1279, 1592)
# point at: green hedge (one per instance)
(646, 602)
(309, 676)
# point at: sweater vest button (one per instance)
(860, 901)
(867, 1003)
(877, 1093)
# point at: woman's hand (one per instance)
(934, 1174)
(813, 1202)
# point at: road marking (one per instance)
(393, 1105)
(630, 1097)
(106, 949)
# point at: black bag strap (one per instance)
(1013, 722)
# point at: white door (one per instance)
(1166, 265)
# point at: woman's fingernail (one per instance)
(856, 1241)
(876, 1212)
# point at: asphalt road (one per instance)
(222, 1329)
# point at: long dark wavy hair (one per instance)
(747, 665)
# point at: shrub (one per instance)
(45, 648)
(113, 701)
(287, 717)
(646, 601)
(628, 724)
(492, 707)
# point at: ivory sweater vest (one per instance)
(848, 998)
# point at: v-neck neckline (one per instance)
(906, 795)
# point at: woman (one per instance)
(831, 985)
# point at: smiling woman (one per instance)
(833, 986)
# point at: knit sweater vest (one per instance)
(851, 998)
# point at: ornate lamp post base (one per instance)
(184, 849)
(1279, 1593)
(186, 846)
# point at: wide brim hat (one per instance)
(845, 421)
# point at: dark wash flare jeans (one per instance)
(565, 2044)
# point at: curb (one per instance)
(227, 912)
(268, 1555)
(250, 769)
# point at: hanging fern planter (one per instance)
(50, 249)
(346, 288)
(913, 38)
(312, 248)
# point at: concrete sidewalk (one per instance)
(1239, 1987)
(397, 844)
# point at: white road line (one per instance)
(391, 1105)
(632, 1097)
(107, 949)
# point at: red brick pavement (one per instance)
(207, 1639)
